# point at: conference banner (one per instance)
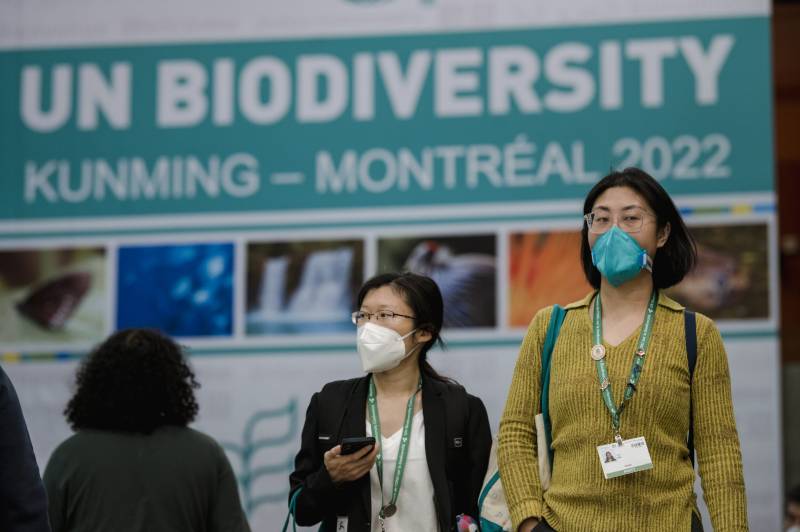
(232, 176)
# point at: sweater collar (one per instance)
(663, 301)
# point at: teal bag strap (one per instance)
(486, 489)
(292, 509)
(553, 328)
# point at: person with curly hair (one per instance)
(133, 464)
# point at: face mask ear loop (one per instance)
(408, 334)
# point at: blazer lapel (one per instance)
(355, 418)
(355, 424)
(435, 442)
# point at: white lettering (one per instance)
(312, 105)
(182, 101)
(33, 114)
(651, 54)
(404, 90)
(113, 98)
(452, 82)
(513, 71)
(706, 67)
(253, 108)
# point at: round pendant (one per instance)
(598, 352)
(389, 510)
(640, 353)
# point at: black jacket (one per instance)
(457, 445)
(23, 505)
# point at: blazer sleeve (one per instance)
(23, 504)
(316, 500)
(480, 438)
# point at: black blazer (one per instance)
(23, 505)
(457, 445)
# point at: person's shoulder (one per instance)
(84, 437)
(542, 317)
(69, 445)
(666, 302)
(81, 443)
(583, 302)
(8, 394)
(5, 382)
(453, 389)
(189, 440)
(189, 434)
(336, 388)
(705, 325)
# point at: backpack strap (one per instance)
(553, 328)
(690, 326)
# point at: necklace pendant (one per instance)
(598, 352)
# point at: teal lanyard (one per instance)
(402, 453)
(599, 352)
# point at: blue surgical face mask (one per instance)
(619, 257)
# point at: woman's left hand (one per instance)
(349, 467)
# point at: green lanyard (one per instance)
(598, 353)
(402, 453)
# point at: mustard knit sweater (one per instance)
(661, 498)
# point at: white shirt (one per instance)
(415, 507)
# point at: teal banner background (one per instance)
(741, 115)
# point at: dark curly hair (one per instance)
(135, 381)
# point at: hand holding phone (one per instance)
(351, 459)
(351, 445)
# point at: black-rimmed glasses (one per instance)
(360, 316)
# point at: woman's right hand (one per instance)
(349, 467)
(528, 525)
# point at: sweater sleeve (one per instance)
(716, 439)
(517, 454)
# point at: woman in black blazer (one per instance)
(399, 319)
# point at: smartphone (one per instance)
(351, 445)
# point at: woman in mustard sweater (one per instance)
(620, 386)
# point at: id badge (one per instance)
(341, 523)
(630, 457)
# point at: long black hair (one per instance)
(135, 381)
(422, 294)
(675, 258)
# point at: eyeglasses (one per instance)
(360, 316)
(630, 220)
